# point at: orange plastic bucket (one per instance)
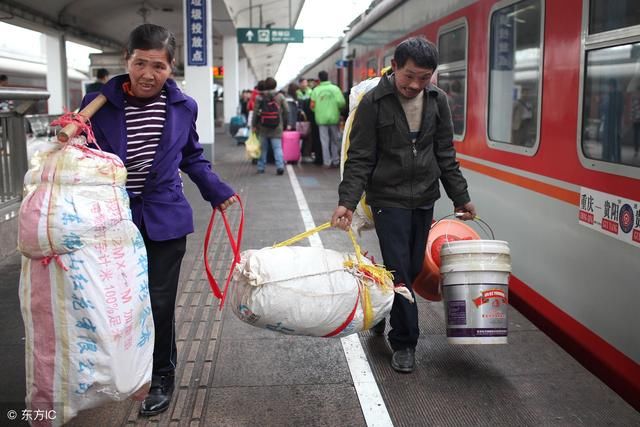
(427, 284)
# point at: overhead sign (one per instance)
(196, 33)
(269, 35)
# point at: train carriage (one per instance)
(545, 100)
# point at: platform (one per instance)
(232, 374)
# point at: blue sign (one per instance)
(502, 40)
(196, 32)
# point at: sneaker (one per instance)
(280, 171)
(403, 360)
(260, 171)
(159, 396)
(307, 159)
(378, 328)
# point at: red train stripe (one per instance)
(564, 195)
(614, 368)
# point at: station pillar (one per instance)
(56, 73)
(243, 75)
(231, 87)
(198, 61)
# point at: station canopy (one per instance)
(105, 24)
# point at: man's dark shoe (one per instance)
(280, 171)
(159, 396)
(378, 328)
(403, 360)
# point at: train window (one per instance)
(607, 15)
(452, 45)
(515, 75)
(387, 60)
(608, 133)
(611, 105)
(452, 72)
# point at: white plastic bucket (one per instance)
(476, 290)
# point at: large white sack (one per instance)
(306, 291)
(84, 283)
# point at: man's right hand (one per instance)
(342, 218)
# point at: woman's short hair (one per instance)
(150, 36)
(270, 83)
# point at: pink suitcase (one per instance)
(291, 146)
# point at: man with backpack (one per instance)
(269, 119)
(327, 102)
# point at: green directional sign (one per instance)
(269, 35)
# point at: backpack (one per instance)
(269, 113)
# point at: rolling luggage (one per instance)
(236, 123)
(291, 146)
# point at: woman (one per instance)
(292, 103)
(269, 119)
(151, 125)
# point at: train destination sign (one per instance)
(269, 35)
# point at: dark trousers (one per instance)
(402, 234)
(164, 259)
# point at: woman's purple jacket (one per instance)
(161, 208)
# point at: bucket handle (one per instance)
(479, 221)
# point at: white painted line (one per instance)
(371, 402)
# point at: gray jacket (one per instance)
(383, 161)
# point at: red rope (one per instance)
(47, 260)
(235, 247)
(344, 324)
(82, 122)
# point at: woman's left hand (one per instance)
(224, 205)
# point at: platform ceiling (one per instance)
(106, 23)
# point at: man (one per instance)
(304, 91)
(4, 80)
(102, 76)
(326, 102)
(401, 145)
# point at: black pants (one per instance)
(164, 260)
(403, 237)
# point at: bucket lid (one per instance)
(475, 247)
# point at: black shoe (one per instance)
(378, 328)
(159, 396)
(403, 360)
(280, 171)
(260, 171)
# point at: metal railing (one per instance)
(14, 102)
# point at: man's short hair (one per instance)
(420, 50)
(323, 76)
(4, 78)
(102, 73)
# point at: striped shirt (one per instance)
(145, 122)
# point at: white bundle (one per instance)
(308, 291)
(83, 287)
(362, 216)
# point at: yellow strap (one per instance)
(367, 309)
(303, 235)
